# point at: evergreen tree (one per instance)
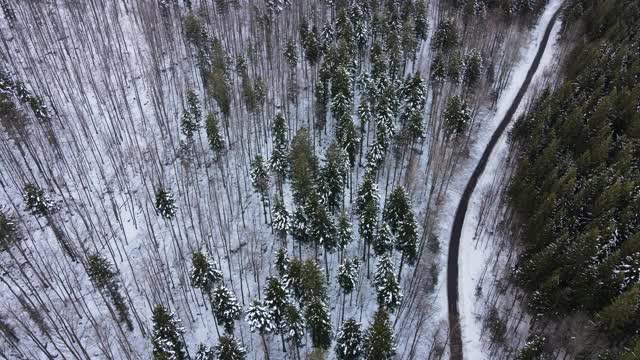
(279, 162)
(312, 46)
(314, 285)
(282, 261)
(376, 154)
(36, 201)
(332, 176)
(344, 231)
(396, 207)
(8, 230)
(193, 107)
(454, 68)
(456, 116)
(277, 299)
(205, 353)
(473, 67)
(228, 348)
(421, 23)
(281, 220)
(367, 209)
(294, 325)
(188, 125)
(384, 240)
(349, 341)
(260, 176)
(387, 287)
(438, 69)
(291, 55)
(259, 319)
(318, 323)
(398, 214)
(321, 227)
(300, 227)
(216, 142)
(411, 117)
(104, 277)
(225, 307)
(204, 272)
(446, 35)
(533, 349)
(167, 336)
(303, 166)
(165, 204)
(379, 341)
(348, 275)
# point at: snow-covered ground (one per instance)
(475, 256)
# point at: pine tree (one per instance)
(321, 227)
(259, 319)
(312, 46)
(205, 353)
(8, 230)
(446, 35)
(344, 231)
(384, 240)
(104, 277)
(188, 125)
(300, 227)
(454, 68)
(294, 325)
(167, 336)
(282, 261)
(260, 181)
(396, 207)
(279, 162)
(376, 154)
(414, 93)
(216, 142)
(193, 106)
(421, 23)
(349, 341)
(473, 67)
(277, 299)
(318, 323)
(281, 220)
(204, 272)
(225, 307)
(165, 204)
(379, 341)
(290, 54)
(456, 116)
(228, 348)
(313, 283)
(533, 349)
(332, 176)
(348, 275)
(303, 166)
(438, 69)
(387, 287)
(367, 209)
(36, 201)
(398, 214)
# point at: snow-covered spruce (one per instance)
(167, 336)
(165, 204)
(348, 274)
(318, 320)
(225, 307)
(389, 294)
(205, 353)
(104, 277)
(229, 348)
(379, 340)
(204, 272)
(36, 201)
(349, 341)
(281, 219)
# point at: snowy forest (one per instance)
(319, 179)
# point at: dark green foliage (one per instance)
(318, 323)
(303, 166)
(279, 162)
(332, 176)
(166, 338)
(281, 218)
(379, 341)
(472, 67)
(389, 294)
(574, 186)
(8, 230)
(383, 241)
(446, 35)
(349, 341)
(456, 116)
(348, 275)
(216, 142)
(204, 272)
(225, 307)
(294, 325)
(367, 208)
(229, 348)
(276, 299)
(260, 176)
(36, 201)
(165, 204)
(344, 231)
(205, 353)
(533, 349)
(282, 261)
(104, 277)
(421, 24)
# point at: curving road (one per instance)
(455, 333)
